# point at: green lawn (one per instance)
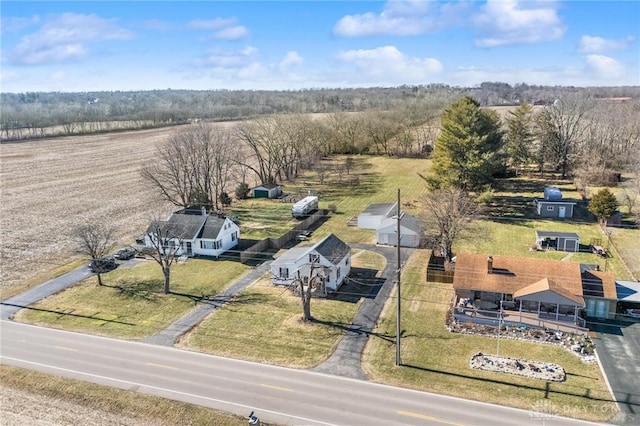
(131, 304)
(263, 324)
(437, 360)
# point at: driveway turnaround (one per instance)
(618, 348)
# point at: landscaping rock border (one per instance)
(532, 369)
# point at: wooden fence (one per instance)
(277, 243)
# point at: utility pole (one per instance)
(398, 217)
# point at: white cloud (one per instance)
(506, 22)
(593, 44)
(211, 24)
(291, 58)
(403, 18)
(387, 66)
(232, 33)
(605, 67)
(66, 37)
(223, 28)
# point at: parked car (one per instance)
(102, 264)
(125, 253)
(633, 313)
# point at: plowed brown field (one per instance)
(49, 186)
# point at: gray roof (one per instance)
(332, 248)
(181, 226)
(406, 221)
(291, 255)
(550, 234)
(385, 209)
(212, 227)
(628, 291)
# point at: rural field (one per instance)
(51, 185)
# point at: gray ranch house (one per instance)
(331, 254)
(195, 233)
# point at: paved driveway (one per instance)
(618, 347)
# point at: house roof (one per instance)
(513, 274)
(599, 284)
(549, 234)
(212, 227)
(547, 285)
(332, 248)
(384, 209)
(406, 221)
(556, 202)
(180, 226)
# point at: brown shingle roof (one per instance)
(546, 284)
(511, 274)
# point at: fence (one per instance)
(277, 243)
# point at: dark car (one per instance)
(125, 253)
(103, 264)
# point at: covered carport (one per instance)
(563, 241)
(628, 299)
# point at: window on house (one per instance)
(210, 245)
(234, 236)
(284, 272)
(549, 208)
(314, 258)
(338, 273)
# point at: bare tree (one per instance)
(166, 240)
(307, 284)
(193, 166)
(95, 240)
(449, 215)
(563, 128)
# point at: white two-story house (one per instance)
(331, 255)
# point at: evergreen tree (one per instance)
(468, 150)
(519, 135)
(603, 205)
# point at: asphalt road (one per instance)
(280, 395)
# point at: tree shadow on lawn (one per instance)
(354, 329)
(218, 300)
(585, 392)
(62, 314)
(147, 290)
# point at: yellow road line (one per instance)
(66, 349)
(162, 366)
(277, 387)
(422, 416)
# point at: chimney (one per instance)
(489, 264)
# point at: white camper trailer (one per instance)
(305, 206)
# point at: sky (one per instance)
(83, 46)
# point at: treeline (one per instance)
(38, 114)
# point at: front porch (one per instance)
(549, 311)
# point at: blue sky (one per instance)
(125, 45)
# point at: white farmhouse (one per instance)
(331, 254)
(196, 233)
